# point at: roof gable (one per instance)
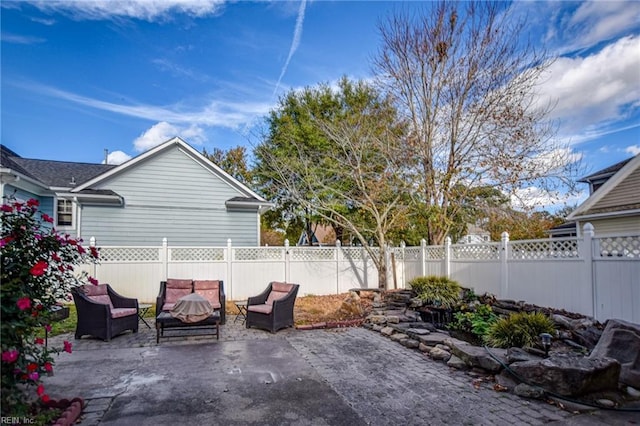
(187, 149)
(629, 169)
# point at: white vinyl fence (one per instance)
(593, 275)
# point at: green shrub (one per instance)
(519, 330)
(437, 291)
(476, 321)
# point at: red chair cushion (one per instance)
(176, 289)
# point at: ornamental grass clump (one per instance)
(37, 273)
(436, 291)
(519, 330)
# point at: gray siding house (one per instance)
(170, 191)
(613, 206)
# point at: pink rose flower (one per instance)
(48, 367)
(34, 376)
(67, 346)
(24, 303)
(40, 390)
(10, 356)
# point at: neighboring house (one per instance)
(613, 206)
(475, 235)
(169, 191)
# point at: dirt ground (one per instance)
(315, 309)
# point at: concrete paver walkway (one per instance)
(320, 377)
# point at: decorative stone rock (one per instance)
(519, 354)
(620, 340)
(455, 362)
(475, 356)
(506, 380)
(377, 319)
(393, 319)
(399, 337)
(587, 337)
(433, 339)
(377, 328)
(439, 354)
(607, 403)
(633, 392)
(387, 331)
(418, 331)
(424, 348)
(443, 347)
(526, 391)
(410, 343)
(570, 374)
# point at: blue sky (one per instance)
(81, 77)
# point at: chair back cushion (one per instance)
(97, 293)
(210, 290)
(176, 288)
(278, 291)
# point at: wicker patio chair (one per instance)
(102, 312)
(273, 308)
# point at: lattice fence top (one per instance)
(312, 253)
(129, 254)
(355, 253)
(196, 254)
(628, 247)
(412, 253)
(259, 253)
(540, 250)
(434, 253)
(475, 251)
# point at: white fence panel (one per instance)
(553, 283)
(481, 276)
(356, 269)
(313, 268)
(617, 288)
(252, 268)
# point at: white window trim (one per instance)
(73, 215)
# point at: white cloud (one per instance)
(594, 90)
(536, 198)
(596, 21)
(297, 35)
(148, 10)
(227, 114)
(163, 131)
(633, 149)
(117, 157)
(19, 39)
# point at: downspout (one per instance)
(78, 217)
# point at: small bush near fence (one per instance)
(437, 291)
(519, 330)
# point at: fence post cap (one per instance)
(588, 228)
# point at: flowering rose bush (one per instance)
(37, 272)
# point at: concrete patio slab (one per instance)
(318, 377)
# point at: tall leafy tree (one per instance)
(336, 155)
(466, 83)
(232, 161)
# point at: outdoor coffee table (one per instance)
(143, 308)
(242, 311)
(208, 326)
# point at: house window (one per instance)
(65, 213)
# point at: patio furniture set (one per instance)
(195, 307)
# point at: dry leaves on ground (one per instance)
(316, 309)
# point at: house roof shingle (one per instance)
(62, 174)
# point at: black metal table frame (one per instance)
(165, 321)
(242, 311)
(143, 308)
